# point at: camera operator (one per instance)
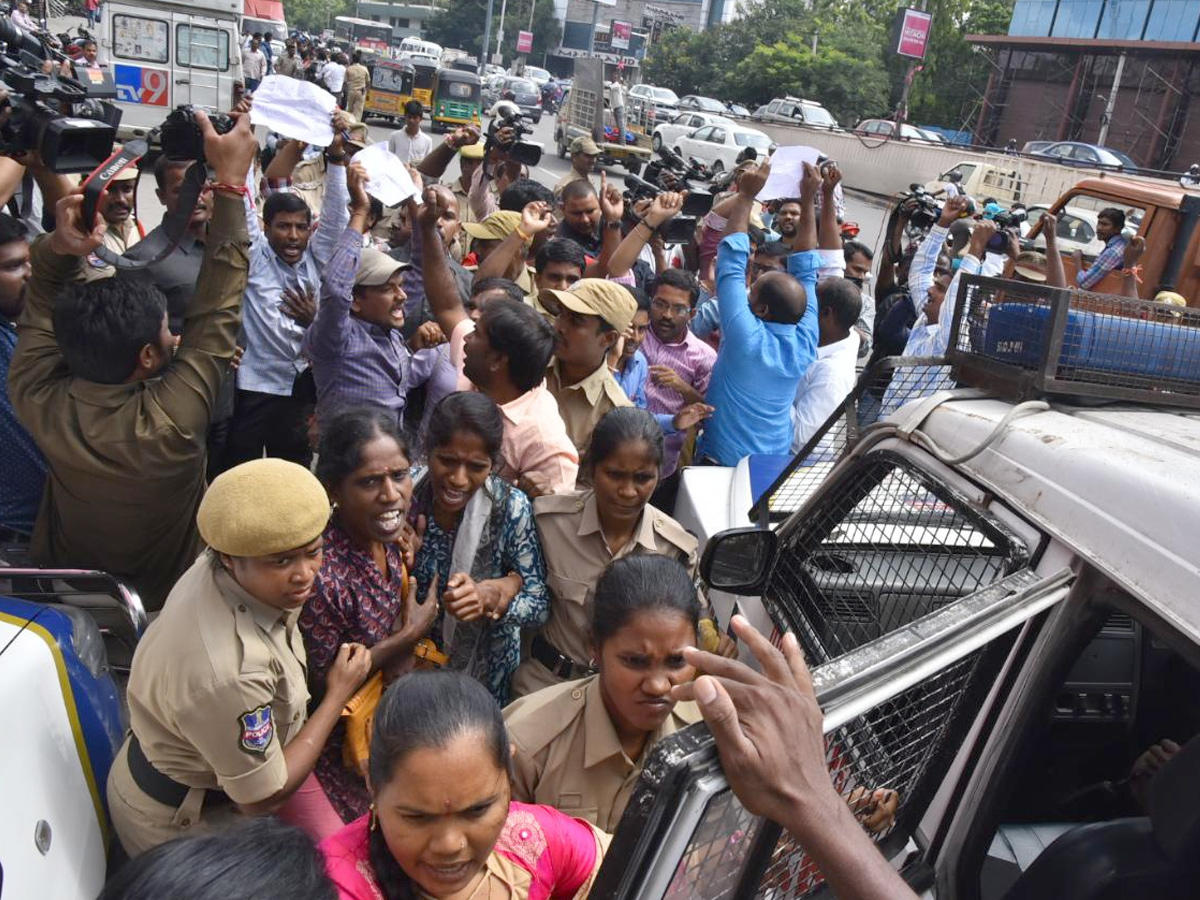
(498, 170)
(95, 364)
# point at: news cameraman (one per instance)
(499, 169)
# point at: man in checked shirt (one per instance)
(358, 354)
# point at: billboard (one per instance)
(910, 32)
(524, 41)
(621, 33)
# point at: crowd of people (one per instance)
(396, 486)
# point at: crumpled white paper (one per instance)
(388, 178)
(787, 166)
(295, 109)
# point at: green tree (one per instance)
(315, 15)
(460, 25)
(547, 30)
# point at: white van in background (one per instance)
(165, 53)
(414, 46)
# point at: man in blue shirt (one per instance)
(768, 335)
(22, 468)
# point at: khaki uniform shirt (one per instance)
(126, 461)
(572, 175)
(357, 77)
(576, 555)
(217, 689)
(584, 403)
(567, 753)
(118, 239)
(289, 66)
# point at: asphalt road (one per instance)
(867, 213)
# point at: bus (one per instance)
(363, 33)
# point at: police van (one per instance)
(993, 574)
(166, 53)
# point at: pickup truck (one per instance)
(583, 113)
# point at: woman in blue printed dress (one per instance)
(480, 544)
(363, 593)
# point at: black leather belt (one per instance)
(157, 786)
(560, 666)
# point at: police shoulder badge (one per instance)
(257, 729)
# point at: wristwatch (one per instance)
(616, 224)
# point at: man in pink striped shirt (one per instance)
(680, 363)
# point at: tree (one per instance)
(315, 15)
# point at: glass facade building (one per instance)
(1108, 20)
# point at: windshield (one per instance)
(664, 95)
(1122, 158)
(536, 73)
(522, 87)
(277, 30)
(709, 104)
(817, 115)
(751, 139)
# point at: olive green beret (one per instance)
(263, 507)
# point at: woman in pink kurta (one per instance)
(441, 824)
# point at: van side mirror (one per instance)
(739, 560)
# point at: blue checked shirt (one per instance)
(1107, 260)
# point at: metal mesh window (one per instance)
(886, 547)
(712, 865)
(1027, 340)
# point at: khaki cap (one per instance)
(495, 227)
(1031, 265)
(597, 297)
(1171, 297)
(375, 268)
(262, 507)
(471, 151)
(584, 144)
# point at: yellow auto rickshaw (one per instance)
(390, 88)
(424, 75)
(455, 100)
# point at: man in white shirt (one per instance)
(254, 66)
(831, 377)
(616, 103)
(334, 75)
(410, 143)
(21, 18)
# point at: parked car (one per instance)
(526, 95)
(492, 69)
(537, 75)
(654, 104)
(796, 111)
(1076, 153)
(492, 85)
(702, 104)
(887, 128)
(736, 109)
(717, 146)
(1035, 146)
(684, 123)
(1076, 230)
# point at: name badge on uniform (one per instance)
(257, 729)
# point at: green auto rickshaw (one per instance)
(455, 99)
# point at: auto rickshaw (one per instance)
(390, 88)
(455, 100)
(424, 76)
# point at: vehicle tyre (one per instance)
(656, 142)
(537, 118)
(562, 147)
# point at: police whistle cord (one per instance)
(162, 241)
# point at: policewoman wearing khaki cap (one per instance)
(218, 692)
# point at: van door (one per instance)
(136, 45)
(204, 50)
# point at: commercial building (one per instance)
(1116, 72)
(406, 19)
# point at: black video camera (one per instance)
(923, 209)
(181, 137)
(67, 121)
(680, 228)
(1005, 221)
(527, 153)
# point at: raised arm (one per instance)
(437, 160)
(536, 217)
(326, 338)
(924, 261)
(335, 212)
(612, 209)
(1056, 272)
(441, 289)
(1129, 267)
(828, 230)
(662, 209)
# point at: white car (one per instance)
(1076, 230)
(536, 75)
(718, 145)
(668, 133)
(658, 103)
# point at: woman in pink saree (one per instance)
(442, 825)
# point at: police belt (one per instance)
(560, 665)
(157, 786)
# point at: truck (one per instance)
(583, 113)
(166, 53)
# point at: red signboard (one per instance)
(524, 41)
(621, 32)
(912, 32)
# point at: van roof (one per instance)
(1119, 484)
(1141, 191)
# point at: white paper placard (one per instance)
(295, 109)
(787, 166)
(387, 177)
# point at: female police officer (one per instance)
(217, 695)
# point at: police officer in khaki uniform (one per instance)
(218, 694)
(580, 746)
(583, 531)
(590, 318)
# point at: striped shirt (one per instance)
(692, 359)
